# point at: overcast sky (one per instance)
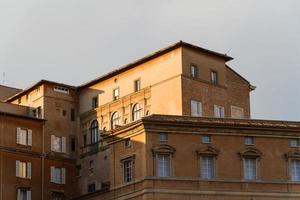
(73, 41)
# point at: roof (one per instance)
(21, 116)
(32, 87)
(152, 56)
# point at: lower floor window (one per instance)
(163, 165)
(207, 167)
(250, 168)
(58, 196)
(295, 170)
(58, 175)
(127, 171)
(23, 194)
(91, 187)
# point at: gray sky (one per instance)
(73, 41)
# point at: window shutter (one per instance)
(18, 194)
(222, 112)
(28, 169)
(63, 145)
(28, 195)
(52, 174)
(216, 111)
(18, 135)
(52, 142)
(29, 137)
(17, 168)
(199, 109)
(63, 175)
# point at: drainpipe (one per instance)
(43, 160)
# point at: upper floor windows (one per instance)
(206, 139)
(136, 112)
(196, 108)
(295, 170)
(23, 169)
(128, 143)
(163, 137)
(163, 167)
(24, 136)
(94, 132)
(249, 140)
(116, 94)
(61, 89)
(115, 119)
(137, 85)
(250, 168)
(194, 71)
(294, 142)
(214, 77)
(58, 144)
(219, 111)
(207, 167)
(23, 194)
(58, 175)
(95, 102)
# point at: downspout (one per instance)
(43, 160)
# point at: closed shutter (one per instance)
(199, 109)
(216, 111)
(52, 142)
(18, 135)
(28, 195)
(222, 112)
(63, 175)
(17, 168)
(63, 145)
(29, 137)
(52, 174)
(28, 169)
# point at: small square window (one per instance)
(214, 77)
(294, 142)
(194, 71)
(128, 142)
(249, 140)
(64, 113)
(137, 85)
(95, 102)
(163, 137)
(206, 139)
(116, 94)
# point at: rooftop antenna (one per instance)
(3, 78)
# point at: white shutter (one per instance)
(63, 175)
(52, 142)
(199, 109)
(28, 195)
(17, 168)
(222, 112)
(18, 135)
(29, 137)
(28, 169)
(216, 111)
(52, 174)
(18, 194)
(63, 145)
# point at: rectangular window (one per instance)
(84, 140)
(128, 142)
(194, 71)
(58, 175)
(163, 137)
(206, 139)
(294, 142)
(196, 108)
(219, 111)
(58, 196)
(137, 85)
(163, 167)
(24, 136)
(58, 144)
(61, 89)
(249, 140)
(23, 169)
(91, 187)
(72, 114)
(23, 194)
(116, 94)
(214, 77)
(295, 170)
(207, 167)
(250, 168)
(79, 170)
(95, 102)
(127, 171)
(73, 144)
(91, 164)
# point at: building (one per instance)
(165, 126)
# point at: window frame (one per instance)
(137, 85)
(204, 141)
(212, 157)
(94, 132)
(297, 142)
(114, 92)
(136, 112)
(219, 111)
(95, 102)
(214, 77)
(246, 140)
(161, 139)
(194, 73)
(115, 117)
(199, 109)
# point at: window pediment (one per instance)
(163, 148)
(293, 154)
(207, 151)
(250, 152)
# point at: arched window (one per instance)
(115, 119)
(94, 132)
(136, 112)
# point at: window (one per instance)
(79, 170)
(37, 112)
(23, 194)
(91, 187)
(19, 101)
(84, 140)
(250, 168)
(237, 112)
(249, 140)
(294, 142)
(196, 108)
(116, 94)
(23, 169)
(194, 71)
(95, 102)
(207, 167)
(72, 114)
(58, 175)
(137, 85)
(73, 144)
(295, 170)
(128, 142)
(163, 167)
(64, 113)
(136, 112)
(219, 111)
(214, 77)
(206, 139)
(58, 196)
(24, 136)
(127, 170)
(61, 89)
(163, 137)
(115, 119)
(94, 132)
(91, 164)
(58, 144)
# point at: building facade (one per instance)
(172, 125)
